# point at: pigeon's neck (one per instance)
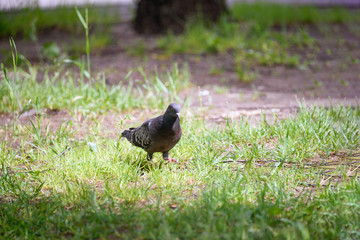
(168, 122)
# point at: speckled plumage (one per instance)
(158, 134)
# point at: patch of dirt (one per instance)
(333, 71)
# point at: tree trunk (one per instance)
(159, 16)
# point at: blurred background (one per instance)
(13, 4)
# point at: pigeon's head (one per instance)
(173, 110)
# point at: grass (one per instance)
(267, 15)
(33, 22)
(257, 34)
(246, 47)
(294, 178)
(27, 21)
(64, 185)
(236, 180)
(252, 31)
(63, 90)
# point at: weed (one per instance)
(221, 89)
(138, 49)
(215, 71)
(50, 50)
(85, 24)
(243, 74)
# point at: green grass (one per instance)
(258, 34)
(247, 49)
(275, 180)
(250, 26)
(238, 40)
(64, 183)
(267, 15)
(63, 89)
(27, 21)
(56, 184)
(31, 24)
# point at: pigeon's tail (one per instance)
(138, 137)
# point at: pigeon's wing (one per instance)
(140, 136)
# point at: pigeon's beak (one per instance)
(178, 114)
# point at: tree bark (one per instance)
(159, 16)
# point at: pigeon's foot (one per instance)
(169, 160)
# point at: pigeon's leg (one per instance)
(149, 156)
(167, 159)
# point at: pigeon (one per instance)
(158, 134)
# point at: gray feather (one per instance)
(139, 137)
